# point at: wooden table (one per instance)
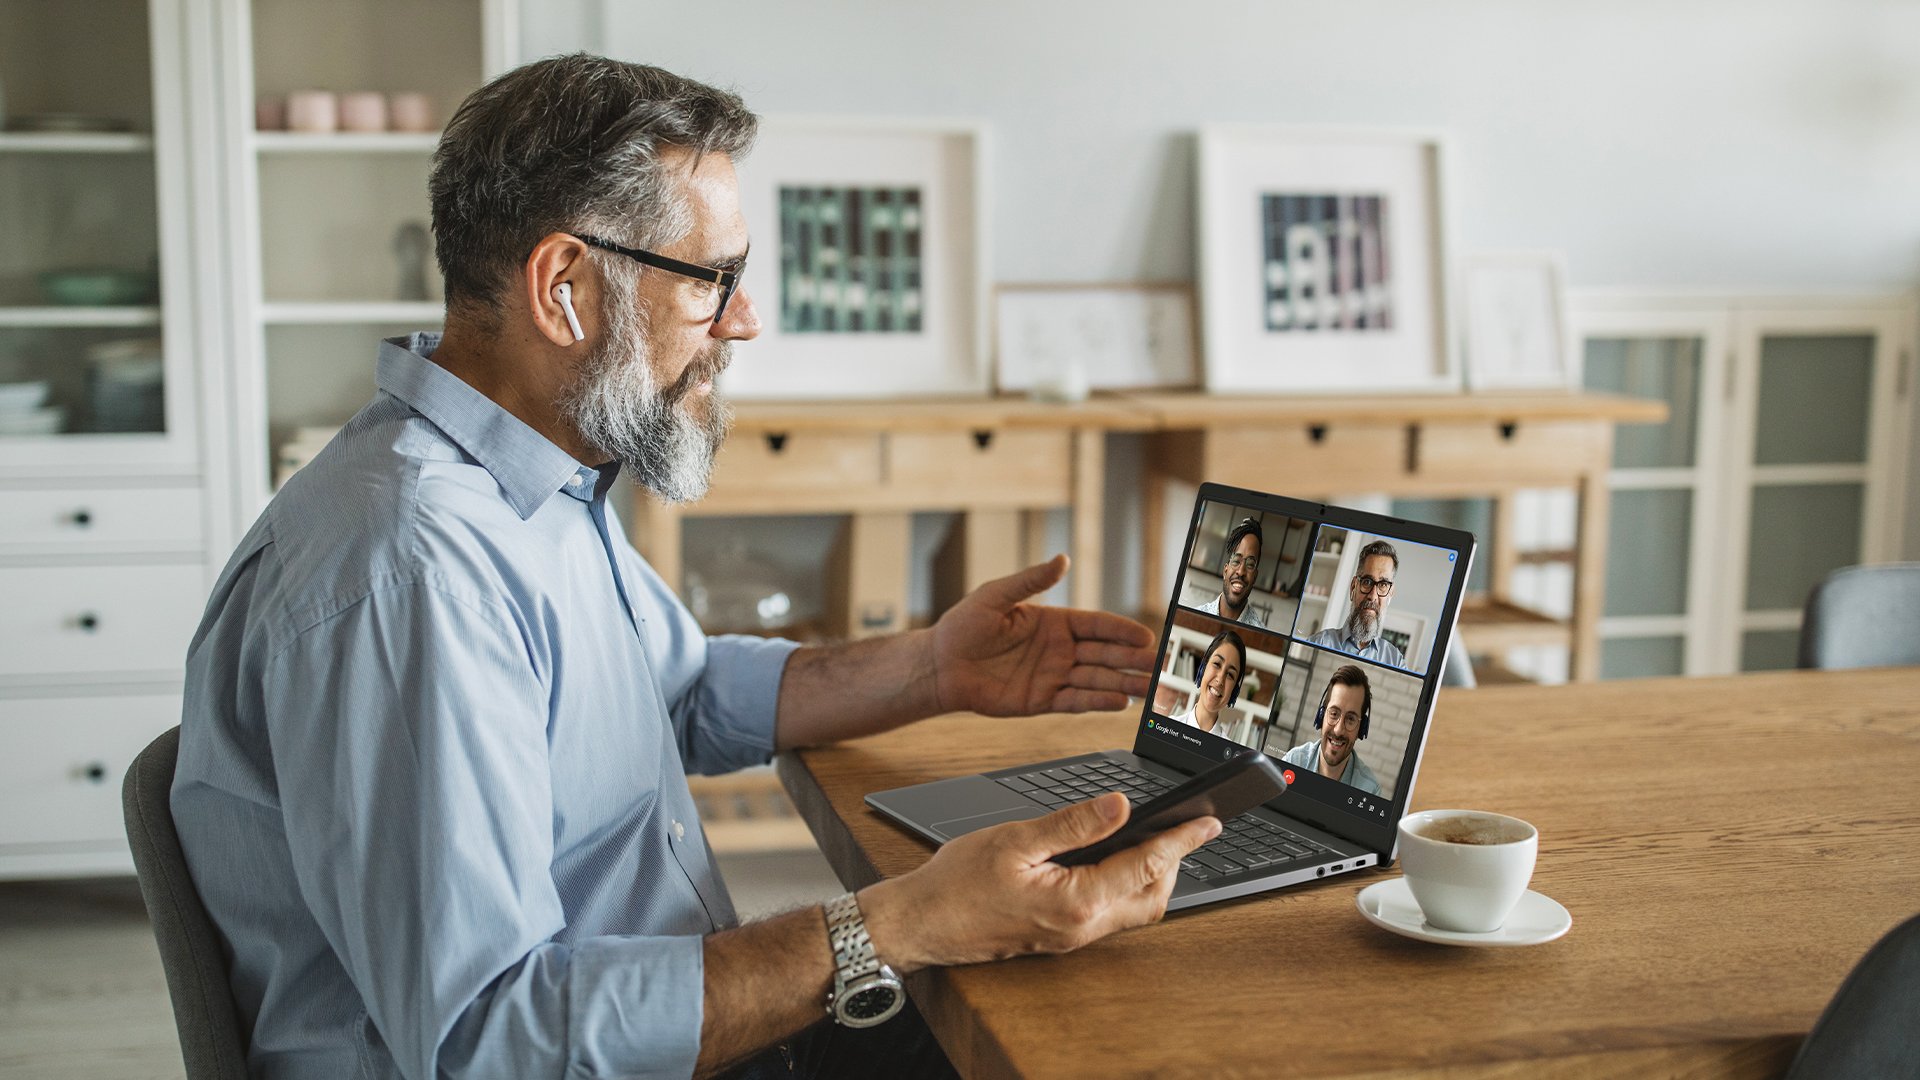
(1728, 847)
(1424, 445)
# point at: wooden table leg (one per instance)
(655, 532)
(868, 578)
(1087, 539)
(1589, 578)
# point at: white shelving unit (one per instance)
(317, 217)
(109, 527)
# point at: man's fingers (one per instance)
(1158, 857)
(1099, 678)
(1003, 593)
(1112, 654)
(1106, 626)
(1072, 827)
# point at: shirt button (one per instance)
(574, 480)
(679, 831)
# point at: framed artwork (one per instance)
(1322, 260)
(1060, 341)
(868, 260)
(1513, 321)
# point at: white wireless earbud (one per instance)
(563, 292)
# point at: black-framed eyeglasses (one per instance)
(726, 280)
(1369, 584)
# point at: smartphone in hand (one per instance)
(1225, 791)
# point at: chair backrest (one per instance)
(1868, 1032)
(211, 1043)
(1863, 616)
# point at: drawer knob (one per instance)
(88, 621)
(983, 438)
(1317, 433)
(776, 441)
(82, 518)
(95, 772)
(1507, 428)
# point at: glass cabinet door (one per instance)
(1814, 492)
(90, 372)
(1661, 518)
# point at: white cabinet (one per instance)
(1785, 458)
(109, 521)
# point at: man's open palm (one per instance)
(997, 654)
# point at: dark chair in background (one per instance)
(211, 1043)
(1871, 1028)
(1863, 616)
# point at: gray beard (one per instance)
(1363, 626)
(617, 407)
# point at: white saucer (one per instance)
(1390, 905)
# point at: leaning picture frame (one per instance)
(1322, 260)
(868, 259)
(1512, 320)
(1059, 341)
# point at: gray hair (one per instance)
(568, 144)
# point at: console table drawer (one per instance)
(773, 467)
(1545, 451)
(983, 468)
(66, 759)
(1306, 459)
(63, 522)
(73, 620)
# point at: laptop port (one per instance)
(1337, 866)
(1319, 871)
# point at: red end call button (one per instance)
(1288, 774)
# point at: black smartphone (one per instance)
(1225, 791)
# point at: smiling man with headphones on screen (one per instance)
(1346, 712)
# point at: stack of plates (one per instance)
(126, 385)
(24, 410)
(295, 454)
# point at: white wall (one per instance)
(1724, 144)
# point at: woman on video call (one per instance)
(1222, 667)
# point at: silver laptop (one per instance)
(1313, 633)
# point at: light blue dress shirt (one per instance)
(432, 782)
(1379, 650)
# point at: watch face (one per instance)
(871, 1003)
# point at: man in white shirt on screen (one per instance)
(1237, 570)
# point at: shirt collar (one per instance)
(528, 467)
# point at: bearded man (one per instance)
(440, 714)
(1370, 591)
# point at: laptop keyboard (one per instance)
(1246, 844)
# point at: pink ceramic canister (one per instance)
(363, 110)
(270, 113)
(410, 111)
(313, 110)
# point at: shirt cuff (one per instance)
(637, 1006)
(740, 692)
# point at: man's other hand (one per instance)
(996, 653)
(993, 894)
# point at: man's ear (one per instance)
(559, 289)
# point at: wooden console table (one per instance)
(1459, 445)
(1003, 462)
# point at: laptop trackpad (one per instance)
(965, 825)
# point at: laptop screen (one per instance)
(1314, 634)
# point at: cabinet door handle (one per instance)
(82, 518)
(88, 621)
(95, 772)
(983, 438)
(776, 441)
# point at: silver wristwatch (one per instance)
(865, 991)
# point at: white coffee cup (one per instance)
(1467, 868)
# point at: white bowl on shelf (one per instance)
(18, 398)
(46, 421)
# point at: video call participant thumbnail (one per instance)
(1239, 561)
(1346, 713)
(1370, 591)
(1217, 684)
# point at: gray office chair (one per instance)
(1868, 1031)
(211, 1043)
(1863, 616)
(1458, 670)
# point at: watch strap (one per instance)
(853, 954)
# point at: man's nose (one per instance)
(741, 321)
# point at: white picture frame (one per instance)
(1513, 321)
(1061, 341)
(1279, 207)
(854, 311)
